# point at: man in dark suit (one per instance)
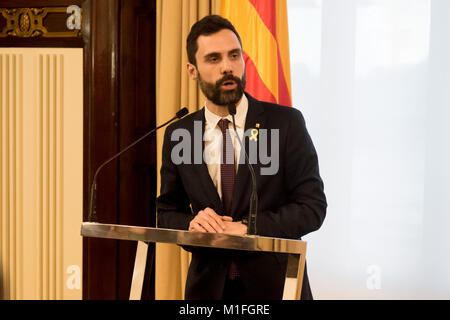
(200, 194)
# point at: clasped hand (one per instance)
(208, 220)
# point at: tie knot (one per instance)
(223, 124)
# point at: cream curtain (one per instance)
(174, 90)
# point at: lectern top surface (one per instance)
(188, 238)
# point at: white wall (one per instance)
(372, 78)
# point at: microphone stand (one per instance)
(253, 210)
(92, 207)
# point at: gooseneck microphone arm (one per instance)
(253, 210)
(92, 208)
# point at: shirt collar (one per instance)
(241, 114)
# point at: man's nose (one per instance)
(226, 67)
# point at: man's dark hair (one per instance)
(204, 27)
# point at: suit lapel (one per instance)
(243, 182)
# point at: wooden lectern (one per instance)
(295, 249)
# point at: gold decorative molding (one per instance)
(29, 22)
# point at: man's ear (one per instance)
(192, 71)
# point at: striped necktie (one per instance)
(227, 168)
(227, 175)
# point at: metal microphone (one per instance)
(92, 208)
(253, 210)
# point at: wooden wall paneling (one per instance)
(137, 116)
(101, 142)
(121, 107)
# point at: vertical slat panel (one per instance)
(34, 236)
(12, 176)
(2, 189)
(40, 192)
(19, 177)
(60, 182)
(46, 177)
(31, 184)
(53, 176)
(56, 173)
(51, 149)
(73, 182)
(2, 276)
(5, 178)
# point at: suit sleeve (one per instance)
(306, 204)
(173, 205)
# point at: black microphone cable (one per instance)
(253, 210)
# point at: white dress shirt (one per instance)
(213, 140)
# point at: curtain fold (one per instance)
(174, 90)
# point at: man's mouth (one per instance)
(229, 85)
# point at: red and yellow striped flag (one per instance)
(263, 27)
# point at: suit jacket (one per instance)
(291, 201)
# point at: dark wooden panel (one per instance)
(137, 116)
(101, 141)
(120, 100)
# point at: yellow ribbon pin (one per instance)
(254, 135)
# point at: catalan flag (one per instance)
(263, 27)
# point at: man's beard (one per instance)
(216, 95)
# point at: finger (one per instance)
(236, 228)
(226, 218)
(194, 225)
(218, 219)
(210, 212)
(209, 224)
(207, 221)
(197, 227)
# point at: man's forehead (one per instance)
(220, 42)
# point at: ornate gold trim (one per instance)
(28, 22)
